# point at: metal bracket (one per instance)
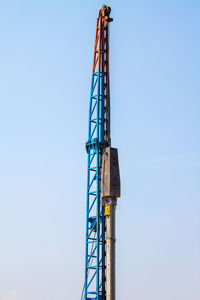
(107, 210)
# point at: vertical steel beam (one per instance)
(110, 248)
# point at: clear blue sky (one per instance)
(45, 69)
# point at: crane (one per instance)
(103, 180)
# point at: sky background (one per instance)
(46, 50)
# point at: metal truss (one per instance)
(95, 233)
(98, 139)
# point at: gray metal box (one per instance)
(110, 181)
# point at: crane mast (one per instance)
(103, 182)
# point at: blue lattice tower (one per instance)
(98, 139)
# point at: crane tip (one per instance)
(107, 10)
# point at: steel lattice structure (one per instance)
(98, 139)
